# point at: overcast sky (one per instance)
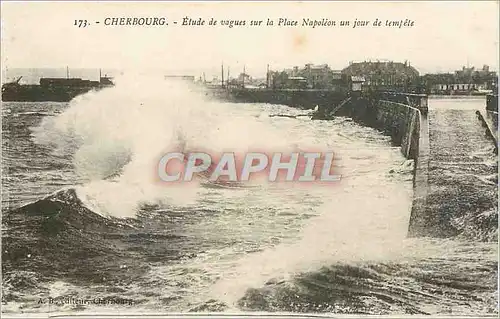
(446, 36)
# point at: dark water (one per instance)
(334, 249)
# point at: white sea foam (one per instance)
(118, 135)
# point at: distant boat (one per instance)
(51, 89)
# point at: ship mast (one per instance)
(244, 74)
(267, 77)
(222, 82)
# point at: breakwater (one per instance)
(397, 115)
(455, 169)
(305, 99)
(461, 196)
(489, 120)
(440, 143)
(403, 117)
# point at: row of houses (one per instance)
(386, 75)
(459, 87)
(355, 77)
(468, 80)
(383, 74)
(366, 75)
(309, 77)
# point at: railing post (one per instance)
(423, 103)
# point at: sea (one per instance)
(86, 227)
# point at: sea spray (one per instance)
(313, 247)
(117, 136)
(347, 229)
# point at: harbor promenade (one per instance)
(454, 149)
(461, 180)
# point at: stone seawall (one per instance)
(489, 119)
(408, 128)
(455, 175)
(306, 99)
(460, 199)
(401, 122)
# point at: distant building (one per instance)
(391, 75)
(310, 76)
(318, 76)
(357, 82)
(468, 80)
